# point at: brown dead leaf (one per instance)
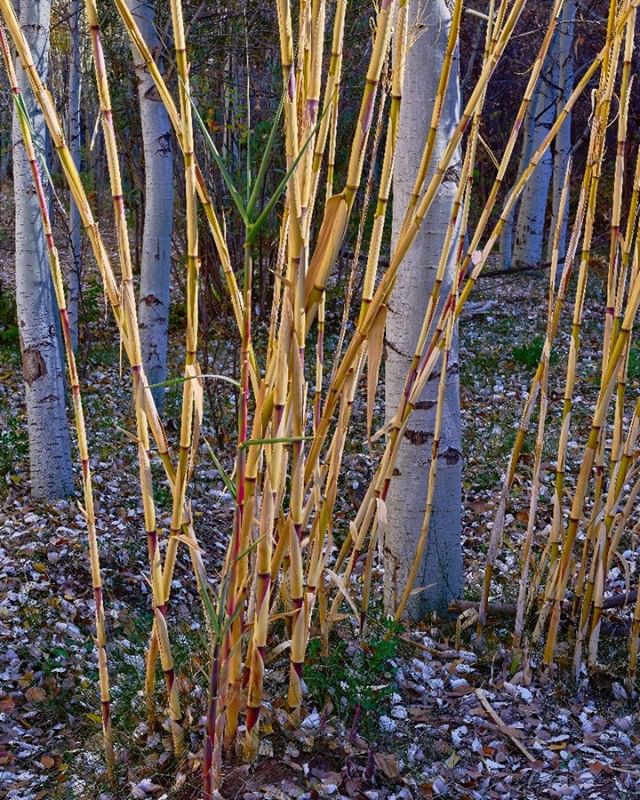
(461, 691)
(35, 694)
(334, 223)
(480, 506)
(7, 705)
(353, 786)
(386, 762)
(420, 713)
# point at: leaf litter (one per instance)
(458, 723)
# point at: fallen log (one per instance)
(494, 609)
(619, 600)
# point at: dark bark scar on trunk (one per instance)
(418, 438)
(33, 366)
(450, 456)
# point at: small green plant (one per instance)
(356, 677)
(103, 355)
(93, 302)
(9, 335)
(633, 369)
(529, 354)
(14, 444)
(162, 495)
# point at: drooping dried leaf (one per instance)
(327, 248)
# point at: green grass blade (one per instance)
(212, 617)
(235, 194)
(251, 547)
(264, 163)
(225, 478)
(254, 228)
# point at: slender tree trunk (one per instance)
(506, 239)
(155, 272)
(562, 150)
(49, 448)
(441, 570)
(74, 274)
(530, 227)
(476, 51)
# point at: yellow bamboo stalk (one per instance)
(130, 325)
(388, 466)
(597, 536)
(431, 356)
(608, 384)
(387, 281)
(384, 191)
(616, 247)
(561, 576)
(337, 213)
(328, 122)
(87, 490)
(203, 194)
(524, 589)
(192, 266)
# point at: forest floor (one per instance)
(435, 718)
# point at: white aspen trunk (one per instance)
(562, 150)
(506, 238)
(441, 569)
(42, 365)
(155, 271)
(530, 227)
(74, 272)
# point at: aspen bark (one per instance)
(155, 270)
(506, 239)
(531, 224)
(74, 273)
(562, 151)
(440, 575)
(49, 446)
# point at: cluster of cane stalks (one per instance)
(565, 570)
(74, 384)
(281, 561)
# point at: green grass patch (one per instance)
(529, 355)
(356, 677)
